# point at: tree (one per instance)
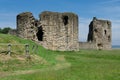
(0, 30)
(5, 30)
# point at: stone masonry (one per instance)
(100, 33)
(26, 26)
(59, 31)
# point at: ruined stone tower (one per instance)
(100, 33)
(26, 26)
(60, 30)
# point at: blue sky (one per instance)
(85, 9)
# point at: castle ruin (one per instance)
(59, 31)
(99, 36)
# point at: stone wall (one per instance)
(60, 30)
(26, 26)
(13, 32)
(87, 45)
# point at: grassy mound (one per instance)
(39, 57)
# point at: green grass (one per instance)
(16, 40)
(84, 65)
(15, 64)
(95, 65)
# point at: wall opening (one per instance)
(109, 38)
(40, 33)
(105, 32)
(96, 30)
(65, 20)
(36, 24)
(100, 46)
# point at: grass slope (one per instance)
(17, 59)
(82, 65)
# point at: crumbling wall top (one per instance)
(24, 14)
(55, 13)
(101, 21)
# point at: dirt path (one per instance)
(62, 63)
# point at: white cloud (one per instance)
(7, 20)
(107, 8)
(7, 24)
(110, 1)
(112, 9)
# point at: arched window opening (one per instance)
(100, 46)
(65, 20)
(96, 30)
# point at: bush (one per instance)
(5, 30)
